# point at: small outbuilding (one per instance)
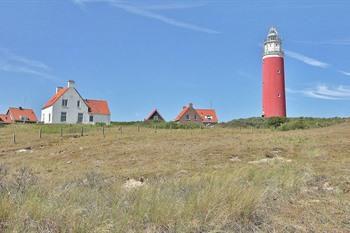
(155, 116)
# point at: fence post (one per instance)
(121, 130)
(155, 128)
(138, 128)
(61, 132)
(82, 132)
(14, 137)
(103, 131)
(40, 131)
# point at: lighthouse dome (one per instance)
(273, 35)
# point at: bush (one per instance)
(293, 125)
(281, 123)
(275, 121)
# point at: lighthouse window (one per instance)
(279, 95)
(278, 71)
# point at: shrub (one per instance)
(275, 121)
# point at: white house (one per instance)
(67, 106)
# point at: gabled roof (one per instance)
(17, 114)
(204, 113)
(98, 107)
(55, 97)
(182, 113)
(149, 117)
(207, 115)
(5, 119)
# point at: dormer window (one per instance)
(78, 103)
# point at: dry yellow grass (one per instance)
(195, 180)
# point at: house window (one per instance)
(64, 102)
(80, 117)
(187, 117)
(91, 118)
(78, 103)
(49, 117)
(195, 117)
(155, 118)
(24, 118)
(63, 116)
(209, 117)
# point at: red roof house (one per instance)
(67, 106)
(190, 114)
(21, 115)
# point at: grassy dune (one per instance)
(198, 180)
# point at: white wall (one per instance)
(98, 118)
(72, 109)
(45, 115)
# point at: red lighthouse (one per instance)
(274, 98)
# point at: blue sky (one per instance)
(146, 54)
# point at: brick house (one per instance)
(201, 116)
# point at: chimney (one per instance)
(190, 105)
(58, 89)
(71, 83)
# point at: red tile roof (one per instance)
(17, 114)
(208, 115)
(182, 113)
(5, 119)
(98, 107)
(152, 113)
(54, 98)
(205, 114)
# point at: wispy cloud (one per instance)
(325, 92)
(344, 72)
(307, 60)
(149, 12)
(10, 62)
(326, 42)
